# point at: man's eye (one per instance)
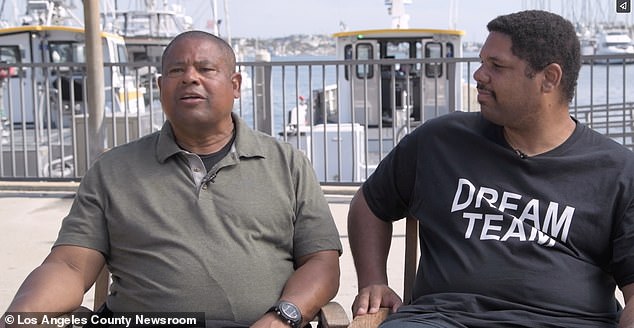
(175, 71)
(206, 69)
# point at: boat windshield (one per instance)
(10, 54)
(67, 52)
(122, 53)
(61, 52)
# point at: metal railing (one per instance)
(307, 103)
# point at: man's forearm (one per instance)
(627, 317)
(52, 287)
(314, 283)
(370, 240)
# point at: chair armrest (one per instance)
(332, 315)
(370, 320)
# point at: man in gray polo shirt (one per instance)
(206, 215)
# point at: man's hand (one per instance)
(373, 297)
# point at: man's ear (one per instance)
(236, 80)
(552, 77)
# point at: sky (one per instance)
(278, 18)
(325, 16)
(272, 18)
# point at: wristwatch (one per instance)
(288, 312)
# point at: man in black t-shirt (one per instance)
(526, 216)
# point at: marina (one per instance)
(602, 102)
(346, 111)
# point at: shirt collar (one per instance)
(248, 143)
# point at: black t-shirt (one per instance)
(212, 159)
(526, 241)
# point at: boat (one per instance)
(587, 38)
(405, 84)
(45, 38)
(404, 89)
(147, 28)
(42, 93)
(615, 42)
(395, 79)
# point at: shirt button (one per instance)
(196, 170)
(204, 187)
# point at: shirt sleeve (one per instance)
(388, 190)
(315, 229)
(85, 224)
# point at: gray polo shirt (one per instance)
(223, 243)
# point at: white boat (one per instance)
(411, 89)
(615, 42)
(414, 80)
(43, 94)
(147, 28)
(587, 39)
(41, 39)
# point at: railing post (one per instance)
(263, 108)
(453, 101)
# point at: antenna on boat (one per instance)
(453, 14)
(396, 9)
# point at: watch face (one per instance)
(289, 310)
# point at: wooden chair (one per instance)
(332, 315)
(411, 260)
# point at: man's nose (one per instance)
(191, 75)
(480, 75)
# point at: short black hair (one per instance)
(228, 52)
(542, 38)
